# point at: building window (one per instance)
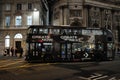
(18, 36)
(8, 7)
(29, 20)
(29, 6)
(7, 21)
(19, 6)
(18, 21)
(75, 13)
(7, 41)
(56, 15)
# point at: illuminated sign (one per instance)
(43, 38)
(72, 38)
(93, 32)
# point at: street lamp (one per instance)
(35, 9)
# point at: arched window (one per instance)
(95, 25)
(19, 36)
(76, 23)
(7, 41)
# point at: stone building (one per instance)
(15, 17)
(88, 13)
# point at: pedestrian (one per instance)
(21, 51)
(8, 51)
(16, 51)
(12, 51)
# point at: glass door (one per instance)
(66, 50)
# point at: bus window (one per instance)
(76, 47)
(64, 31)
(29, 31)
(110, 45)
(40, 31)
(43, 31)
(34, 31)
(109, 39)
(56, 31)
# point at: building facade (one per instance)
(15, 17)
(88, 13)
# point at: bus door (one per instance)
(47, 51)
(44, 49)
(66, 50)
(38, 49)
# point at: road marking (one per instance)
(100, 77)
(6, 65)
(11, 65)
(113, 78)
(24, 66)
(95, 76)
(15, 67)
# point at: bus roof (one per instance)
(62, 27)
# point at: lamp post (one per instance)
(68, 16)
(107, 18)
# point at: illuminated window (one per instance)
(75, 13)
(19, 36)
(18, 21)
(29, 6)
(7, 41)
(29, 20)
(7, 21)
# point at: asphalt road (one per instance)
(17, 69)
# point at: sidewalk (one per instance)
(117, 56)
(2, 57)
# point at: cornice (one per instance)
(101, 4)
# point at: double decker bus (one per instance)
(68, 43)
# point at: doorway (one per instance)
(66, 50)
(17, 44)
(18, 40)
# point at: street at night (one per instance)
(12, 68)
(59, 39)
